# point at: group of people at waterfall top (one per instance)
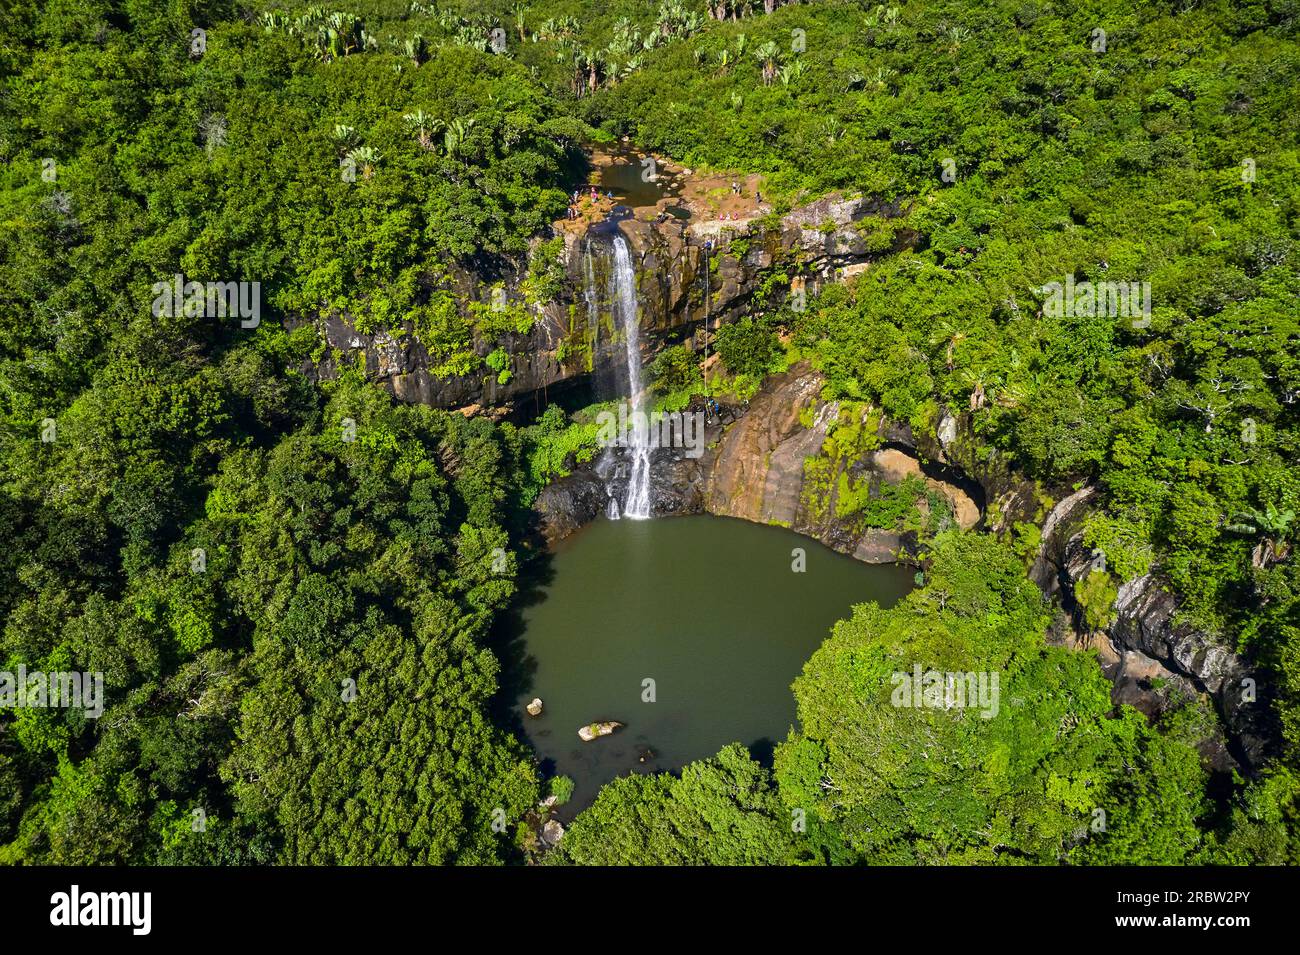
(576, 200)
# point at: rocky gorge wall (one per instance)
(1149, 654)
(694, 274)
(754, 468)
(689, 272)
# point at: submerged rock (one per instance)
(594, 730)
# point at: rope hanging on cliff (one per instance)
(704, 370)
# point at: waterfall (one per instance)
(622, 287)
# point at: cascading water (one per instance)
(622, 287)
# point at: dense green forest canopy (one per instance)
(318, 689)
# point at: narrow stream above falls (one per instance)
(708, 608)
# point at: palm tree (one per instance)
(345, 136)
(367, 158)
(424, 126)
(519, 10)
(1273, 525)
(792, 71)
(675, 20)
(579, 68)
(768, 55)
(342, 33)
(720, 9)
(593, 62)
(455, 135)
(626, 38)
(888, 16)
(882, 76)
(564, 28)
(633, 64)
(415, 49)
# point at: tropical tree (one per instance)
(768, 55)
(366, 158)
(456, 136)
(415, 49)
(1273, 525)
(423, 126)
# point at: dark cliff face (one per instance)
(1151, 658)
(1146, 645)
(688, 273)
(399, 362)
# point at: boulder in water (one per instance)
(570, 503)
(535, 708)
(552, 833)
(593, 730)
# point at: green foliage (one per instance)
(908, 785)
(1095, 595)
(722, 811)
(546, 274)
(1049, 774)
(676, 370)
(381, 163)
(891, 507)
(750, 348)
(1262, 828)
(553, 444)
(499, 361)
(561, 789)
(1122, 543)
